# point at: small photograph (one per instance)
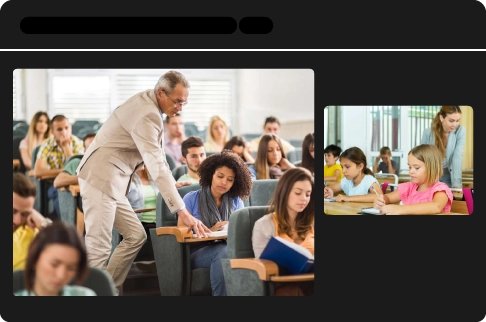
(398, 160)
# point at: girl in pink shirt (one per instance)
(424, 194)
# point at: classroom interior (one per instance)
(398, 127)
(242, 97)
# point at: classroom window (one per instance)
(94, 94)
(332, 125)
(81, 97)
(385, 127)
(420, 118)
(18, 113)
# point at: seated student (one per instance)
(240, 146)
(173, 137)
(308, 153)
(39, 130)
(271, 126)
(387, 165)
(292, 218)
(143, 194)
(270, 162)
(26, 220)
(332, 171)
(225, 181)
(424, 194)
(54, 151)
(57, 255)
(358, 181)
(217, 134)
(193, 154)
(68, 174)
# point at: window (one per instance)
(81, 97)
(332, 125)
(18, 113)
(94, 94)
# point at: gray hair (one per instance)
(169, 80)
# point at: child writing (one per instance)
(332, 170)
(358, 181)
(424, 194)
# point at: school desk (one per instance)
(352, 208)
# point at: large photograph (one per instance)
(398, 160)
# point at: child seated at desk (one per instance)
(358, 181)
(424, 194)
(332, 170)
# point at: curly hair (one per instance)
(227, 158)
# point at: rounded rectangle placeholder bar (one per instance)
(128, 25)
(256, 25)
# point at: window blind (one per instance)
(94, 94)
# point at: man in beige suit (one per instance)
(132, 135)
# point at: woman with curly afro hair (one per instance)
(225, 182)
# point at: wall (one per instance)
(287, 94)
(34, 92)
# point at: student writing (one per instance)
(424, 194)
(357, 181)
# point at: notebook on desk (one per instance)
(329, 200)
(370, 211)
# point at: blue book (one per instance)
(288, 255)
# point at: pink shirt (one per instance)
(409, 194)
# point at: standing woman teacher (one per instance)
(449, 136)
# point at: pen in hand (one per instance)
(379, 197)
(373, 187)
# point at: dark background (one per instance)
(369, 268)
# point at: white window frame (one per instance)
(190, 74)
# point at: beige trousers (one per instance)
(101, 214)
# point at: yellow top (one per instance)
(22, 238)
(329, 171)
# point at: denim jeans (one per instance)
(210, 256)
(52, 195)
(446, 177)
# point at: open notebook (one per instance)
(219, 233)
(370, 211)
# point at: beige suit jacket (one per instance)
(132, 135)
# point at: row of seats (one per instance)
(244, 274)
(171, 254)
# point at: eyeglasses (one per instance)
(175, 103)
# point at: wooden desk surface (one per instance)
(352, 208)
(345, 208)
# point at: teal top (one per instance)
(68, 290)
(71, 166)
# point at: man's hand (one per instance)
(36, 220)
(183, 183)
(189, 220)
(65, 142)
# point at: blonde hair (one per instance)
(209, 132)
(438, 129)
(430, 155)
(32, 133)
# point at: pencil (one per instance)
(373, 187)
